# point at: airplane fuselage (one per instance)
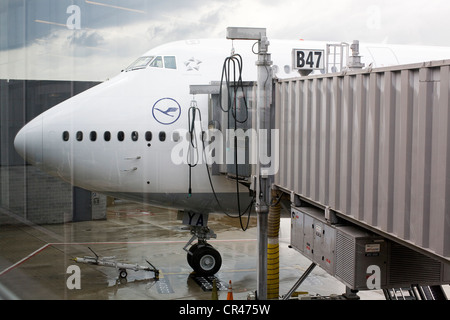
(118, 137)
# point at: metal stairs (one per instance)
(416, 292)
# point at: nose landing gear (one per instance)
(203, 258)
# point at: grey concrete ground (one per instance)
(35, 260)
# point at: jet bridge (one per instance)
(364, 159)
(368, 148)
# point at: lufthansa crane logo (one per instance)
(166, 111)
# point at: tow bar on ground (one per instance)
(121, 267)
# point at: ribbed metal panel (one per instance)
(345, 259)
(407, 266)
(373, 146)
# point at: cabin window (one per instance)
(79, 136)
(170, 62)
(107, 136)
(65, 136)
(148, 136)
(175, 136)
(93, 136)
(120, 136)
(157, 62)
(134, 136)
(162, 136)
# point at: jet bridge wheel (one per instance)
(205, 260)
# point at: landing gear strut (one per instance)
(201, 256)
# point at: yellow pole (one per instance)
(215, 295)
(273, 250)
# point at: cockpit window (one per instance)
(140, 63)
(168, 62)
(157, 63)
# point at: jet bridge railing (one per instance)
(336, 57)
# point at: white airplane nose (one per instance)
(28, 142)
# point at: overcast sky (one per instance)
(49, 38)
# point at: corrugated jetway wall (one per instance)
(374, 146)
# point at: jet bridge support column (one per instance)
(264, 176)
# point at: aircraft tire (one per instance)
(123, 273)
(192, 249)
(206, 261)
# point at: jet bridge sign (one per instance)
(308, 59)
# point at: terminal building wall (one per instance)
(26, 193)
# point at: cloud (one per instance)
(113, 33)
(86, 38)
(400, 21)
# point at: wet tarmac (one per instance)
(36, 261)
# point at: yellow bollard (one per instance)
(214, 291)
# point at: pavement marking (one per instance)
(24, 259)
(100, 243)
